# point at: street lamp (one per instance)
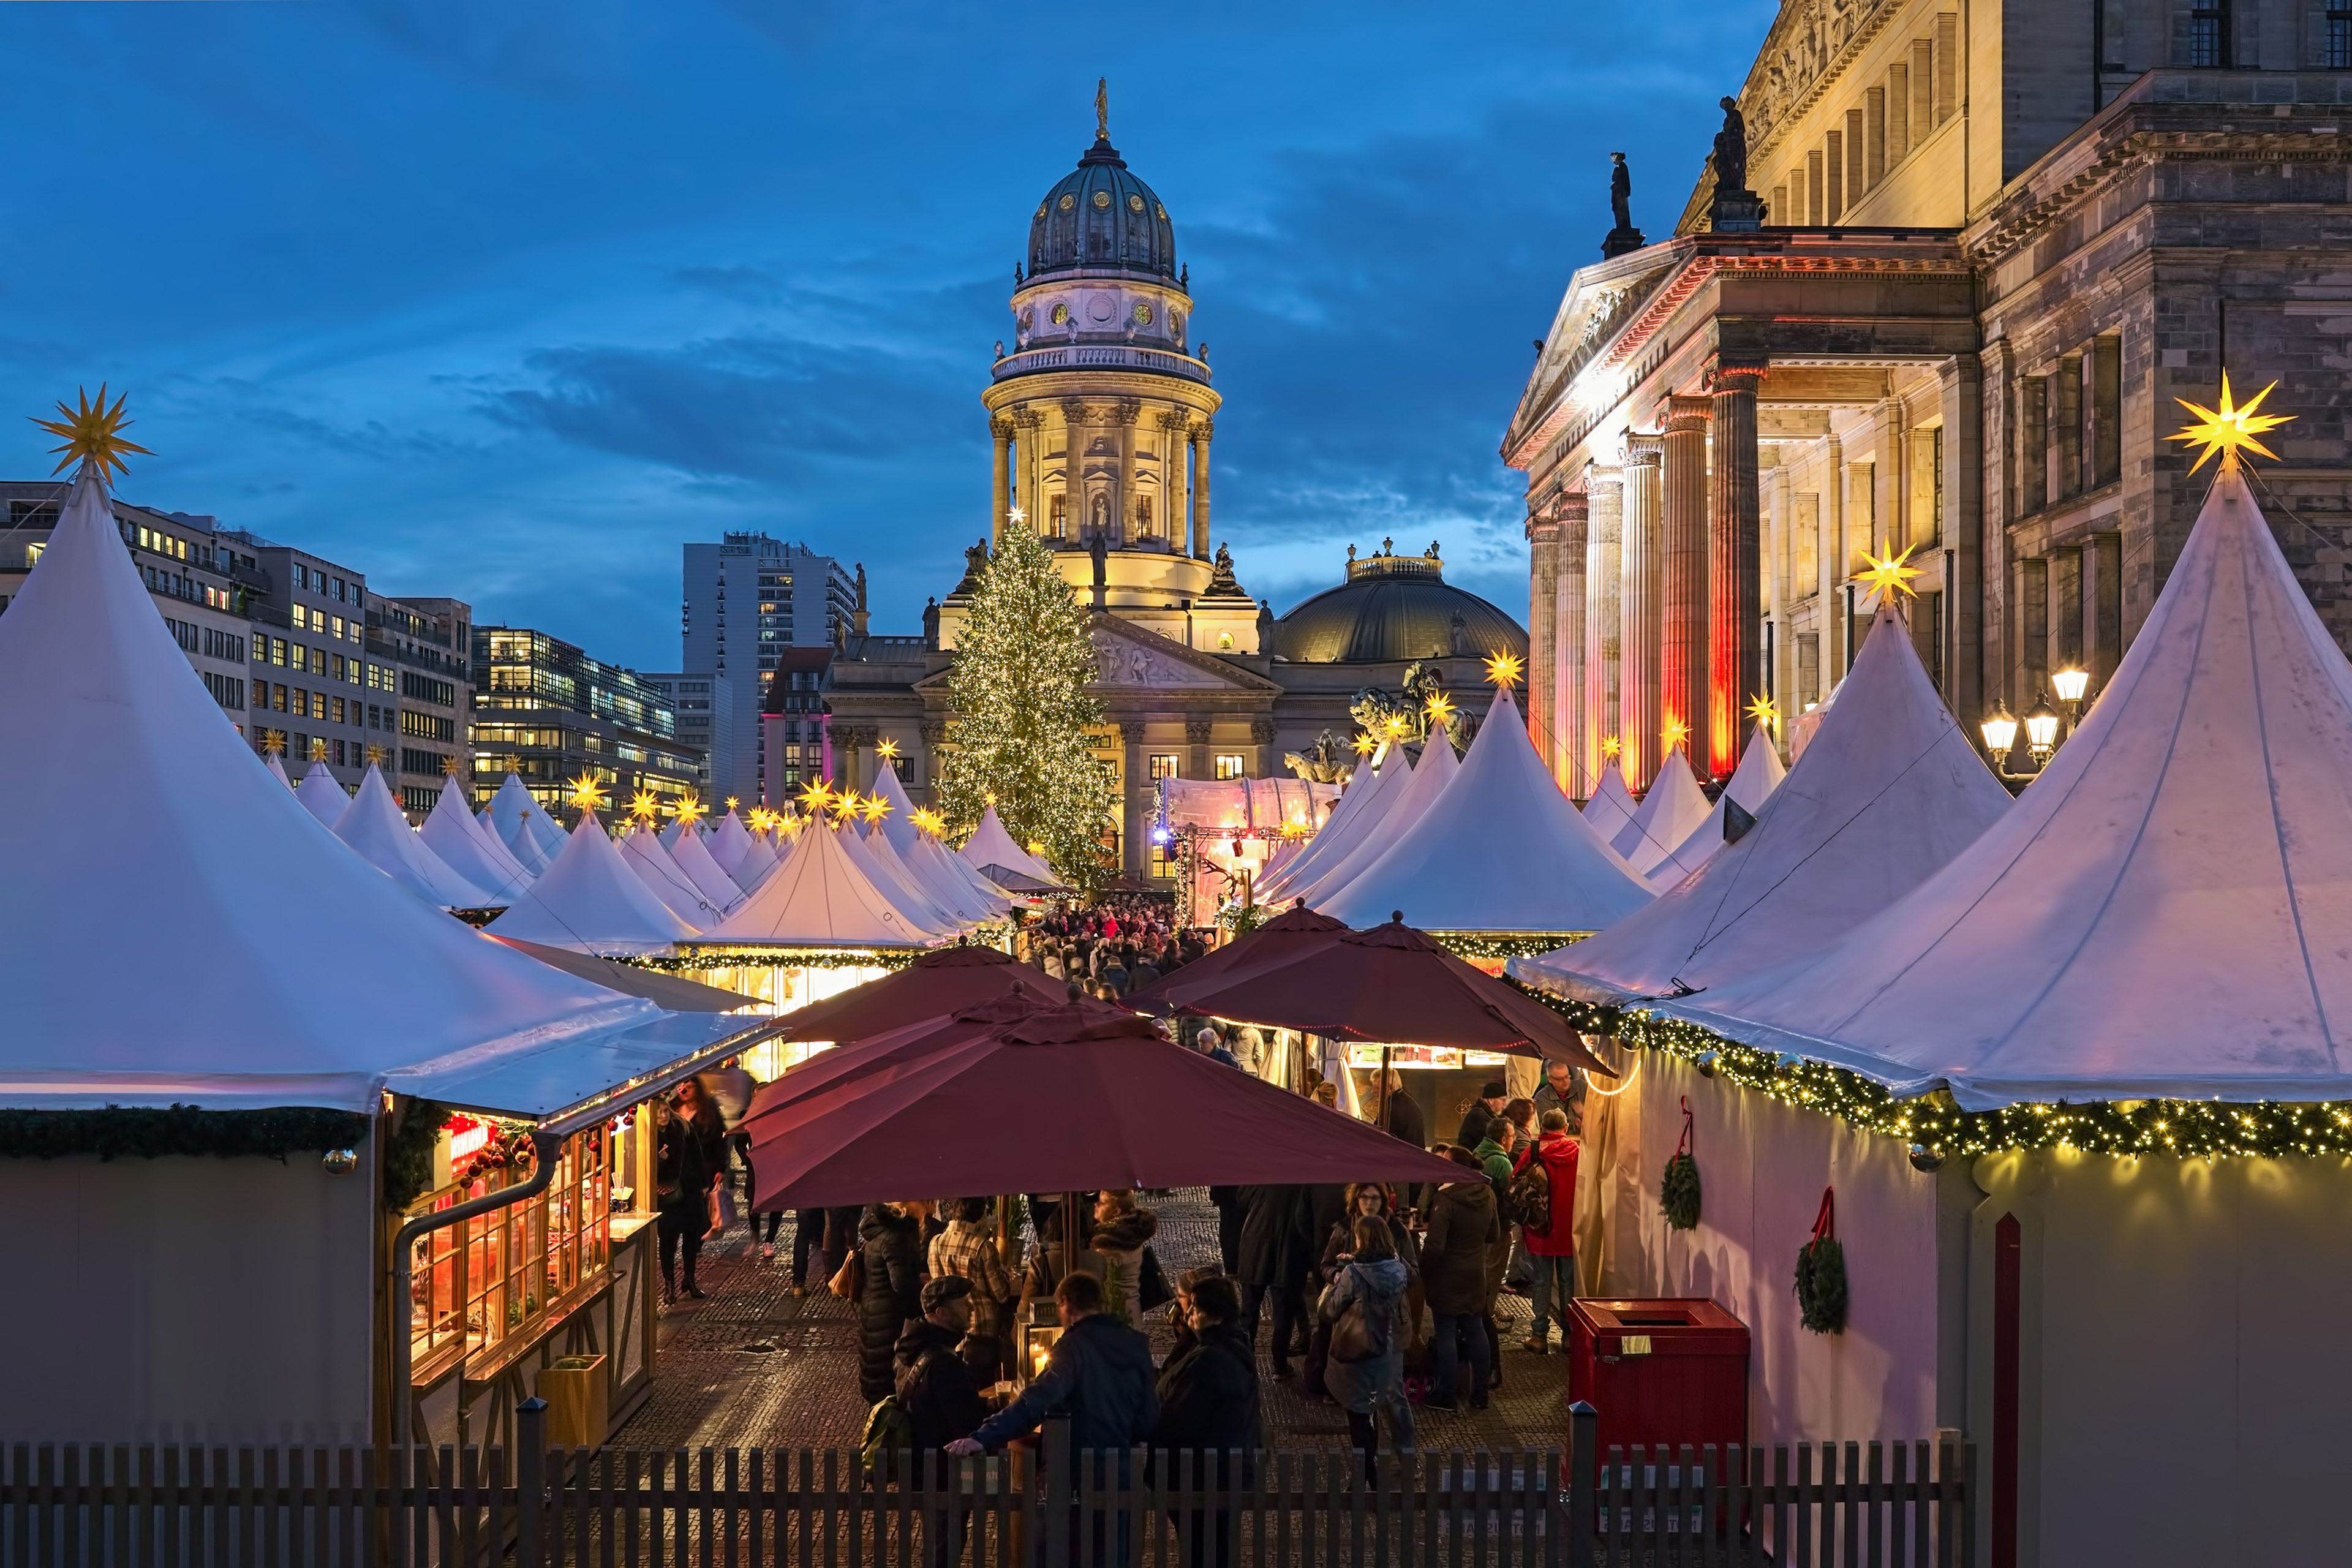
(2042, 729)
(1999, 729)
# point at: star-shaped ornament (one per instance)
(2224, 429)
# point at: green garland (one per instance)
(135, 1133)
(1820, 1285)
(2183, 1129)
(1679, 1193)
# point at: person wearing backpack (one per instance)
(1543, 1192)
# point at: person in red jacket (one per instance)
(1553, 1248)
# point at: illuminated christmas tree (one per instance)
(1019, 712)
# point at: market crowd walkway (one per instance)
(755, 1366)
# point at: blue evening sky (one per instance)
(506, 301)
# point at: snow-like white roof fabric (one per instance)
(1358, 804)
(471, 850)
(728, 843)
(591, 900)
(1501, 850)
(2166, 911)
(1669, 812)
(1887, 794)
(1611, 806)
(1399, 810)
(819, 898)
(641, 852)
(692, 856)
(239, 905)
(1759, 773)
(376, 829)
(323, 796)
(991, 844)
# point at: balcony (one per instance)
(1096, 356)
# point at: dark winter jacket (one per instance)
(1276, 1244)
(1099, 1374)
(936, 1388)
(1464, 1230)
(1208, 1394)
(892, 1293)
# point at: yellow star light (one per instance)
(1763, 710)
(1505, 669)
(1887, 576)
(644, 806)
(273, 740)
(2227, 428)
(1672, 733)
(1365, 745)
(1611, 747)
(685, 808)
(930, 821)
(886, 749)
(91, 433)
(587, 793)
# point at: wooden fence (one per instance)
(1896, 1505)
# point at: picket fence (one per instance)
(1825, 1506)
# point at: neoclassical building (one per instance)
(1998, 241)
(1102, 412)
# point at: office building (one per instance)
(552, 715)
(783, 596)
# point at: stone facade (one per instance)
(1999, 243)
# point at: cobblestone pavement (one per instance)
(756, 1366)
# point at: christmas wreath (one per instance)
(1678, 1191)
(1821, 1273)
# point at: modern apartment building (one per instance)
(781, 597)
(704, 705)
(549, 712)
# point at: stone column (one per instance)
(1683, 592)
(1735, 567)
(1605, 489)
(1135, 820)
(1196, 744)
(1201, 435)
(1640, 591)
(1000, 430)
(1543, 634)
(1568, 637)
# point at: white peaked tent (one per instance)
(376, 828)
(1360, 804)
(239, 904)
(730, 842)
(641, 852)
(277, 769)
(591, 900)
(1888, 792)
(1610, 805)
(1670, 812)
(692, 856)
(2166, 911)
(819, 898)
(321, 793)
(1502, 850)
(1400, 810)
(1759, 773)
(471, 850)
(509, 809)
(989, 845)
(870, 851)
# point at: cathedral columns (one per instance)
(1682, 626)
(1565, 716)
(1201, 434)
(1543, 635)
(1735, 586)
(1605, 489)
(1000, 468)
(1639, 592)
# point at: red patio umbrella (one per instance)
(1393, 983)
(935, 984)
(1285, 937)
(1062, 1099)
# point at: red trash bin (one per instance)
(1660, 1372)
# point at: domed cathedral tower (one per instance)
(1102, 410)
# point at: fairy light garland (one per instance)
(2181, 1129)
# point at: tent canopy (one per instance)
(1888, 792)
(2166, 911)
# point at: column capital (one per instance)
(1686, 416)
(1735, 373)
(1642, 449)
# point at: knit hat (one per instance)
(945, 1289)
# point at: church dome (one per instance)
(1393, 609)
(1101, 218)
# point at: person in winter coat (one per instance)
(1121, 1233)
(934, 1384)
(1275, 1251)
(1209, 1407)
(1373, 1279)
(966, 1249)
(1099, 1375)
(1553, 1247)
(890, 1294)
(689, 1159)
(1456, 1266)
